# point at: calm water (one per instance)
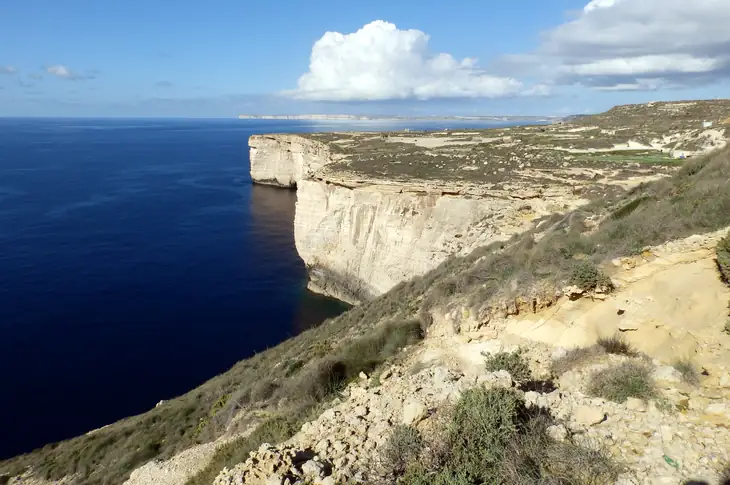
(137, 260)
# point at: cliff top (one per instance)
(631, 141)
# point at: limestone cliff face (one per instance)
(360, 242)
(284, 160)
(373, 211)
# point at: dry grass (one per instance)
(616, 345)
(575, 358)
(688, 371)
(620, 382)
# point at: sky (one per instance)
(221, 58)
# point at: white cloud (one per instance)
(638, 44)
(8, 70)
(380, 62)
(63, 72)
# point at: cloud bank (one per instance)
(8, 70)
(638, 45)
(381, 62)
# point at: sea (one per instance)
(138, 260)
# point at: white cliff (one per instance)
(284, 160)
(360, 242)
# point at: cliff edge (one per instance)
(375, 209)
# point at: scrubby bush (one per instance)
(490, 438)
(586, 276)
(687, 370)
(723, 258)
(620, 382)
(616, 345)
(512, 362)
(403, 447)
(483, 422)
(532, 457)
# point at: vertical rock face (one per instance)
(284, 160)
(360, 237)
(360, 242)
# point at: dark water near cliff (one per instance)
(137, 260)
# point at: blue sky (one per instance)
(225, 57)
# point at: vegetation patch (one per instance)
(688, 371)
(512, 362)
(490, 437)
(403, 447)
(588, 277)
(575, 358)
(620, 382)
(317, 382)
(616, 345)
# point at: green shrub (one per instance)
(491, 438)
(620, 382)
(575, 358)
(586, 276)
(687, 369)
(483, 422)
(322, 378)
(403, 447)
(723, 258)
(420, 475)
(512, 362)
(616, 345)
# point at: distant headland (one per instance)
(397, 118)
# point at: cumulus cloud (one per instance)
(63, 72)
(163, 84)
(638, 45)
(381, 62)
(8, 70)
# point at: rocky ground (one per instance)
(680, 435)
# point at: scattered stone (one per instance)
(414, 411)
(557, 432)
(585, 416)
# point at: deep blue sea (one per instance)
(137, 260)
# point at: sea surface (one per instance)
(137, 260)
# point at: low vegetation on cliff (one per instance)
(272, 392)
(491, 437)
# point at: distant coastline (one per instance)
(397, 118)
